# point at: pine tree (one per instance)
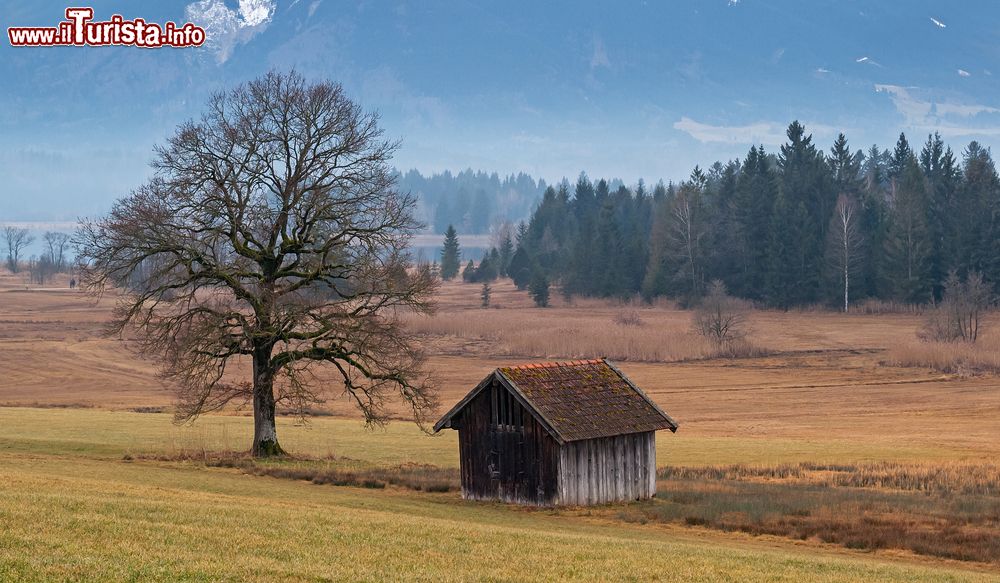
(806, 181)
(539, 289)
(656, 281)
(722, 258)
(908, 245)
(874, 220)
(976, 210)
(469, 273)
(943, 180)
(450, 254)
(581, 268)
(786, 256)
(607, 252)
(487, 270)
(506, 254)
(752, 221)
(520, 268)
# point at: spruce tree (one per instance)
(908, 244)
(607, 252)
(469, 273)
(942, 176)
(976, 211)
(806, 181)
(506, 254)
(450, 254)
(520, 268)
(539, 289)
(874, 220)
(487, 269)
(754, 201)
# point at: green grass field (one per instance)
(73, 509)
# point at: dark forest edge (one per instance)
(795, 228)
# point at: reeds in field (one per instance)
(982, 356)
(628, 335)
(949, 509)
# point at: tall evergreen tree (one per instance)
(521, 268)
(451, 255)
(975, 211)
(874, 219)
(908, 245)
(755, 198)
(943, 180)
(539, 289)
(607, 252)
(469, 273)
(506, 253)
(805, 182)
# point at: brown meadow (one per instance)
(832, 430)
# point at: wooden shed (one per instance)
(557, 433)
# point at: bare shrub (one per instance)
(720, 317)
(959, 315)
(628, 318)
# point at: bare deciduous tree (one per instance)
(959, 315)
(16, 240)
(687, 231)
(272, 232)
(844, 244)
(720, 317)
(41, 270)
(56, 245)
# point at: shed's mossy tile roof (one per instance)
(586, 399)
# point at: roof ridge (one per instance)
(553, 364)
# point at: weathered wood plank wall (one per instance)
(510, 463)
(609, 469)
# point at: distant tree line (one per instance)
(471, 201)
(796, 227)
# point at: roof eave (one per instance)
(445, 421)
(673, 423)
(526, 403)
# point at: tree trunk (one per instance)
(265, 436)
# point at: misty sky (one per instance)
(618, 89)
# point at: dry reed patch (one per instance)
(640, 335)
(982, 357)
(949, 510)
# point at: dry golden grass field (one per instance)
(825, 458)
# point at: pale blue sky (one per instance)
(618, 89)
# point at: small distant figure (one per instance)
(72, 283)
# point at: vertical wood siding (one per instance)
(511, 464)
(607, 469)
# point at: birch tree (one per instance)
(845, 240)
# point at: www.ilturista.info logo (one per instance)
(79, 30)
